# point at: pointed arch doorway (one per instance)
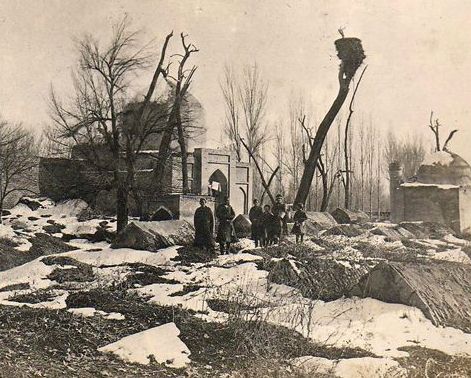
(217, 186)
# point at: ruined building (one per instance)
(213, 173)
(440, 192)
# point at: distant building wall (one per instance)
(432, 203)
(395, 194)
(465, 209)
(181, 206)
(61, 179)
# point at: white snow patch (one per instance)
(454, 240)
(438, 158)
(86, 312)
(57, 303)
(161, 342)
(90, 312)
(33, 272)
(456, 255)
(420, 184)
(109, 256)
(349, 368)
(361, 323)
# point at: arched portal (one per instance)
(161, 214)
(218, 185)
(245, 201)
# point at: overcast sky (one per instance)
(418, 53)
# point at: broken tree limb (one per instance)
(272, 176)
(259, 170)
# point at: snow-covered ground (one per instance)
(369, 324)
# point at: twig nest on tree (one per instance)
(351, 53)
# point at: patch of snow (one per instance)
(162, 343)
(109, 256)
(349, 368)
(115, 316)
(361, 323)
(33, 272)
(57, 303)
(438, 158)
(294, 266)
(454, 240)
(456, 255)
(88, 312)
(7, 232)
(420, 184)
(236, 258)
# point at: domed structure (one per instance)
(441, 192)
(444, 168)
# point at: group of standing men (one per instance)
(268, 224)
(204, 226)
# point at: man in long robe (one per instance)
(255, 215)
(279, 211)
(204, 226)
(225, 214)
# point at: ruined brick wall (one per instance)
(180, 206)
(432, 204)
(61, 179)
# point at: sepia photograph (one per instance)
(235, 188)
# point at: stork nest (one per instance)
(351, 53)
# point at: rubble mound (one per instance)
(152, 236)
(32, 203)
(345, 216)
(322, 218)
(349, 230)
(426, 230)
(317, 278)
(441, 289)
(44, 244)
(242, 226)
(393, 232)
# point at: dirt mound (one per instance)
(32, 203)
(426, 230)
(317, 278)
(349, 230)
(392, 233)
(441, 289)
(242, 226)
(345, 216)
(323, 219)
(44, 244)
(152, 236)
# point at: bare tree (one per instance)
(181, 85)
(351, 55)
(229, 91)
(110, 134)
(347, 156)
(409, 152)
(245, 99)
(18, 161)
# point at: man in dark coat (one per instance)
(299, 218)
(225, 214)
(255, 215)
(268, 226)
(279, 211)
(204, 226)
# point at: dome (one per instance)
(444, 168)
